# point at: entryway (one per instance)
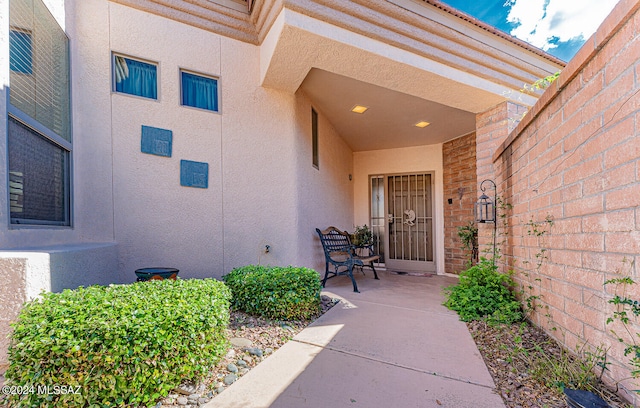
(402, 221)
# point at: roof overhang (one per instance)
(406, 50)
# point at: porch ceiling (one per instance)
(403, 66)
(389, 121)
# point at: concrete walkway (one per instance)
(392, 345)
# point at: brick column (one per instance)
(492, 128)
(460, 194)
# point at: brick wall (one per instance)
(492, 128)
(575, 159)
(459, 162)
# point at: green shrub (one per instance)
(287, 293)
(120, 345)
(483, 293)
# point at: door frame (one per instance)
(407, 265)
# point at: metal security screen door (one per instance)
(410, 222)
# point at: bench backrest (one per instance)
(333, 240)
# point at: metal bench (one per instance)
(340, 253)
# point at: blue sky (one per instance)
(559, 27)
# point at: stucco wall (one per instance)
(406, 160)
(574, 159)
(250, 199)
(12, 295)
(325, 195)
(92, 219)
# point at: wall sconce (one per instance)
(485, 208)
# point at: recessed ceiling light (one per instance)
(359, 109)
(422, 124)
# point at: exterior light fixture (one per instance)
(359, 109)
(422, 124)
(485, 211)
(485, 208)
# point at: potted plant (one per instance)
(362, 236)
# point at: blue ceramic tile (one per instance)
(194, 174)
(156, 141)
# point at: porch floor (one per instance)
(393, 344)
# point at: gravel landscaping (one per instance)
(252, 340)
(523, 361)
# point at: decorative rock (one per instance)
(220, 389)
(247, 359)
(240, 342)
(193, 398)
(231, 353)
(254, 351)
(268, 350)
(202, 401)
(244, 371)
(232, 368)
(182, 401)
(230, 379)
(186, 389)
(240, 363)
(325, 298)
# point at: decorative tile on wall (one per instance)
(194, 174)
(156, 141)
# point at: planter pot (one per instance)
(145, 274)
(584, 399)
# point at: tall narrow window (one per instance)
(39, 142)
(135, 77)
(314, 138)
(199, 91)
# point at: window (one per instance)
(38, 177)
(39, 142)
(199, 91)
(20, 52)
(135, 77)
(314, 138)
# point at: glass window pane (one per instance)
(135, 77)
(20, 52)
(39, 60)
(199, 92)
(38, 178)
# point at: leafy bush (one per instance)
(483, 293)
(120, 345)
(287, 293)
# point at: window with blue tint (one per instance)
(199, 91)
(20, 52)
(135, 77)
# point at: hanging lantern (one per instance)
(485, 208)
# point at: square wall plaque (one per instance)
(194, 174)
(156, 141)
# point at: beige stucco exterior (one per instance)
(129, 209)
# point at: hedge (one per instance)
(119, 345)
(287, 293)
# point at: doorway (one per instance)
(402, 221)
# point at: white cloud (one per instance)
(540, 21)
